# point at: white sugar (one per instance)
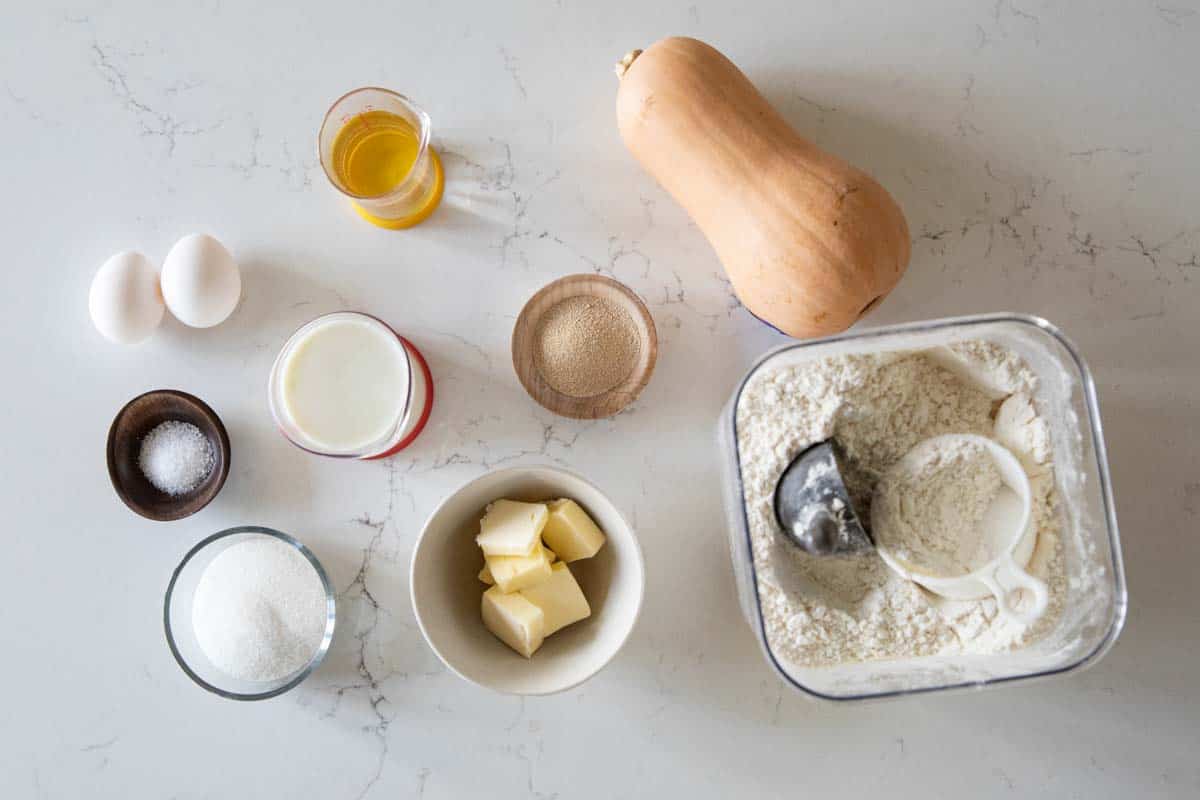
(175, 457)
(259, 610)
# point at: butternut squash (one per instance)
(810, 243)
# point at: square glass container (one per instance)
(1094, 609)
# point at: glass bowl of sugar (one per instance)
(249, 613)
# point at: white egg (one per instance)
(200, 281)
(124, 300)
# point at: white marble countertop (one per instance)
(1044, 152)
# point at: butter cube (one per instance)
(560, 599)
(511, 528)
(514, 620)
(485, 574)
(512, 573)
(570, 532)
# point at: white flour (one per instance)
(822, 611)
(930, 507)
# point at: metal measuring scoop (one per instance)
(814, 508)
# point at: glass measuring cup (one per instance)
(374, 148)
(1005, 528)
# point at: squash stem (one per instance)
(626, 62)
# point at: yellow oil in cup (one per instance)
(374, 146)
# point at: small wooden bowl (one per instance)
(139, 416)
(524, 346)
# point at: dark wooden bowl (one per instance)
(139, 416)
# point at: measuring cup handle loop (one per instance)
(1004, 579)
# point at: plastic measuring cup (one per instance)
(410, 199)
(1019, 595)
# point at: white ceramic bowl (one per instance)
(446, 591)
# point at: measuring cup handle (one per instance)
(1005, 579)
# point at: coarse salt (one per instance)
(175, 457)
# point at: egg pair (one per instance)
(200, 283)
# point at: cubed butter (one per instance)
(485, 574)
(514, 620)
(559, 598)
(570, 532)
(511, 528)
(513, 573)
